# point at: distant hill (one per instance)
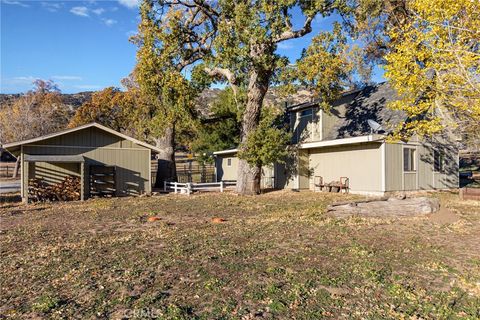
(204, 101)
(73, 100)
(208, 96)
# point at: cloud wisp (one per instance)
(51, 6)
(16, 3)
(109, 22)
(129, 3)
(98, 11)
(67, 78)
(80, 11)
(87, 87)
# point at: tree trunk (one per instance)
(15, 170)
(248, 177)
(166, 158)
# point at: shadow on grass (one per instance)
(10, 198)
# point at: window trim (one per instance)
(229, 162)
(412, 153)
(441, 155)
(310, 113)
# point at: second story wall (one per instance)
(306, 125)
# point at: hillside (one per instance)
(74, 100)
(204, 101)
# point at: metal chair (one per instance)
(344, 184)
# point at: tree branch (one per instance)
(230, 76)
(291, 34)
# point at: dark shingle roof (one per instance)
(349, 117)
(349, 114)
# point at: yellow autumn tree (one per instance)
(433, 62)
(110, 107)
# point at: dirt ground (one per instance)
(278, 255)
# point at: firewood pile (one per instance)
(67, 190)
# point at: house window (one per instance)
(438, 161)
(306, 112)
(409, 159)
(229, 162)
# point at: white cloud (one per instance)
(67, 78)
(129, 3)
(80, 11)
(16, 3)
(109, 22)
(28, 79)
(52, 6)
(98, 11)
(87, 87)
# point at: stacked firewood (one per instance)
(67, 190)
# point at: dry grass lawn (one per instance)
(277, 255)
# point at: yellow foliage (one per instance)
(434, 66)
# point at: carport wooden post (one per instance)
(21, 171)
(82, 181)
(24, 183)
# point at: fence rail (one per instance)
(7, 168)
(193, 173)
(188, 188)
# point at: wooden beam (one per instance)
(82, 181)
(24, 183)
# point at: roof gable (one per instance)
(349, 114)
(101, 135)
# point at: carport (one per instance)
(107, 162)
(57, 159)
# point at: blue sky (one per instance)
(83, 45)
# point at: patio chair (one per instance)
(318, 183)
(344, 184)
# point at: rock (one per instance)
(153, 219)
(401, 196)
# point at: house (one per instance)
(106, 161)
(341, 143)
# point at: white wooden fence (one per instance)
(188, 188)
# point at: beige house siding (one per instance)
(373, 167)
(306, 128)
(362, 164)
(285, 176)
(393, 167)
(424, 177)
(409, 181)
(304, 169)
(225, 172)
